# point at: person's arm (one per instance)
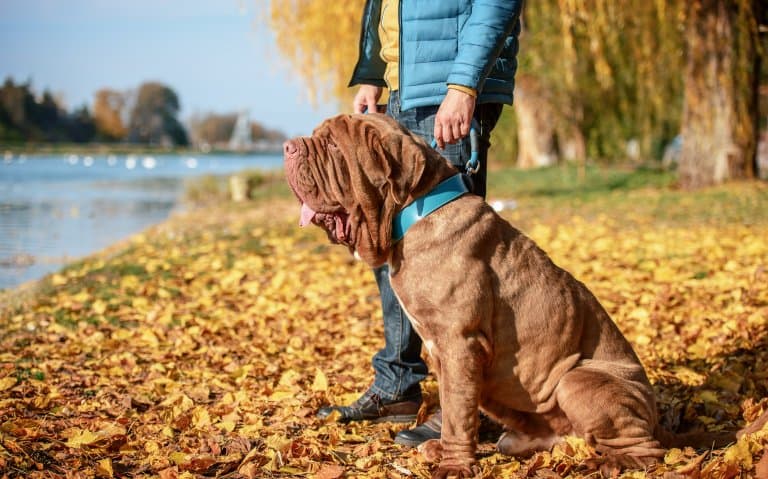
(370, 68)
(480, 42)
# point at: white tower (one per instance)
(241, 138)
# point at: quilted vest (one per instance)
(464, 42)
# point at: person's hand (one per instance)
(366, 97)
(454, 117)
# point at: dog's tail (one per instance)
(707, 439)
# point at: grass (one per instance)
(625, 194)
(567, 182)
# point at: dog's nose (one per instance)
(290, 148)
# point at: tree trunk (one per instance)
(535, 125)
(719, 127)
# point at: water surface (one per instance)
(56, 208)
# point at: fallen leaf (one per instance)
(330, 471)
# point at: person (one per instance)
(444, 64)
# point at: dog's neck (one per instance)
(446, 191)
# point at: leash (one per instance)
(473, 164)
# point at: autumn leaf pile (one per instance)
(204, 346)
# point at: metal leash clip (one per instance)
(473, 164)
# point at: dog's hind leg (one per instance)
(526, 433)
(613, 408)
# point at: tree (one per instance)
(15, 103)
(154, 117)
(535, 128)
(594, 77)
(320, 40)
(26, 116)
(260, 132)
(212, 128)
(80, 126)
(108, 112)
(720, 119)
(610, 76)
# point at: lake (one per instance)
(57, 208)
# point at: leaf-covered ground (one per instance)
(203, 347)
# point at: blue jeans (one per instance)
(398, 366)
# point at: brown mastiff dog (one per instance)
(508, 331)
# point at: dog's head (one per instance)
(355, 173)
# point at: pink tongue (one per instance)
(340, 233)
(307, 214)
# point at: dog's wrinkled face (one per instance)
(354, 173)
(315, 208)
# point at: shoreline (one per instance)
(121, 149)
(57, 211)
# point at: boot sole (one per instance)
(400, 418)
(412, 442)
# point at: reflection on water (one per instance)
(57, 208)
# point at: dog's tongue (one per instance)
(307, 214)
(341, 234)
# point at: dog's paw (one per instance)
(432, 450)
(458, 470)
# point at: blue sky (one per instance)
(216, 54)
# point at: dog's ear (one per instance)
(406, 159)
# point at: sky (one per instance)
(216, 54)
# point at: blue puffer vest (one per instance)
(463, 42)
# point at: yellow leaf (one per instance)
(201, 418)
(178, 457)
(280, 395)
(104, 468)
(140, 303)
(7, 383)
(149, 337)
(228, 426)
(82, 438)
(99, 307)
(321, 381)
(674, 456)
(739, 454)
(707, 396)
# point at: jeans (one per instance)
(398, 366)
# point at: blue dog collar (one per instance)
(442, 194)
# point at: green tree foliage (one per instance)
(154, 117)
(26, 116)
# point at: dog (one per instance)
(508, 331)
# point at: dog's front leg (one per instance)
(460, 374)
